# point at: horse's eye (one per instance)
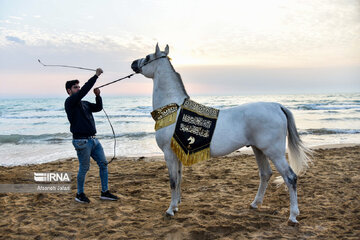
(147, 58)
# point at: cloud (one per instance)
(16, 18)
(15, 39)
(281, 32)
(76, 41)
(242, 33)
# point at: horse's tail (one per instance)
(299, 154)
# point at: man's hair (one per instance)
(71, 83)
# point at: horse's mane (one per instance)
(179, 79)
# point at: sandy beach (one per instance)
(215, 201)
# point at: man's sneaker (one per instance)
(82, 198)
(108, 196)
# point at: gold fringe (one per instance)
(166, 121)
(186, 158)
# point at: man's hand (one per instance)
(97, 91)
(99, 71)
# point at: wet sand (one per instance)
(216, 195)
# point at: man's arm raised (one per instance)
(75, 98)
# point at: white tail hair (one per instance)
(299, 154)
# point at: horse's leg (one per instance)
(179, 182)
(290, 179)
(265, 174)
(173, 165)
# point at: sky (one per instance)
(219, 47)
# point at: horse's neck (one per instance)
(168, 88)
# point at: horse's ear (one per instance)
(167, 49)
(157, 50)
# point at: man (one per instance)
(82, 126)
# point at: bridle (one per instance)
(146, 63)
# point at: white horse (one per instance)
(263, 126)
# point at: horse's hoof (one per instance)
(176, 210)
(167, 216)
(293, 223)
(171, 214)
(253, 206)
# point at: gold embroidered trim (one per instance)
(165, 116)
(200, 109)
(186, 158)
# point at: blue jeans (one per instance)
(86, 148)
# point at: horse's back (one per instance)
(246, 124)
(255, 112)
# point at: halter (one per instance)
(152, 61)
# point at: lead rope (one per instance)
(128, 76)
(112, 128)
(114, 157)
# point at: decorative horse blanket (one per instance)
(193, 132)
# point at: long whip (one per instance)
(66, 66)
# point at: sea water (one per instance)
(37, 130)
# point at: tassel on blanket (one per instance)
(189, 158)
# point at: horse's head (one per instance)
(147, 66)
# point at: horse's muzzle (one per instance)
(135, 66)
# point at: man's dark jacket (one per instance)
(79, 112)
